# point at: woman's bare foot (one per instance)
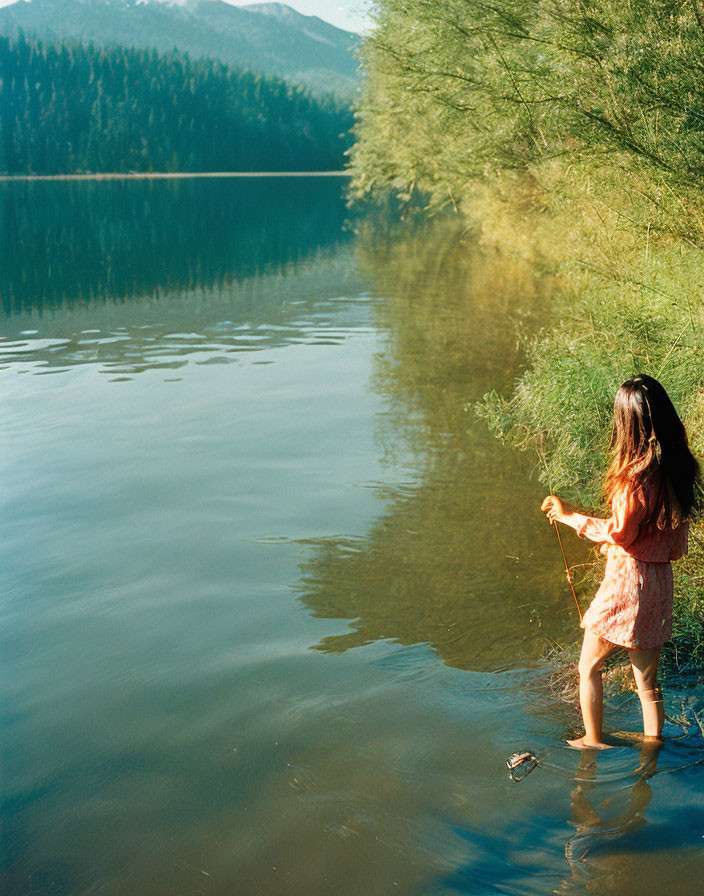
(581, 743)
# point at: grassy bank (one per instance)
(573, 137)
(629, 302)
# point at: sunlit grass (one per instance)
(631, 304)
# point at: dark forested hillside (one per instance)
(268, 38)
(67, 107)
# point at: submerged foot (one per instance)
(581, 743)
(637, 737)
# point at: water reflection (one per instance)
(63, 243)
(604, 820)
(141, 275)
(457, 559)
(630, 829)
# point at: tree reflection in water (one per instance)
(461, 557)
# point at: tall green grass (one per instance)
(636, 311)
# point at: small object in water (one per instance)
(516, 759)
(520, 764)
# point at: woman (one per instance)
(652, 488)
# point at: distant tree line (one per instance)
(68, 107)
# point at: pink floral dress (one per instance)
(633, 606)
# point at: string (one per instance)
(567, 569)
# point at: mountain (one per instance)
(270, 38)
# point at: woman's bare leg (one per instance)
(645, 673)
(591, 691)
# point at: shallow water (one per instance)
(274, 603)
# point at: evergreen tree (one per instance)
(72, 107)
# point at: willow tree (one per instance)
(465, 88)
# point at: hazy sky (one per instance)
(349, 14)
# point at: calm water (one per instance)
(273, 602)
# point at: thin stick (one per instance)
(567, 569)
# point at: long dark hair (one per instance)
(649, 451)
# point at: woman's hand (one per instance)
(553, 508)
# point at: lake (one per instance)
(275, 604)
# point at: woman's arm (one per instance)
(627, 512)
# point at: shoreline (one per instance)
(170, 175)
